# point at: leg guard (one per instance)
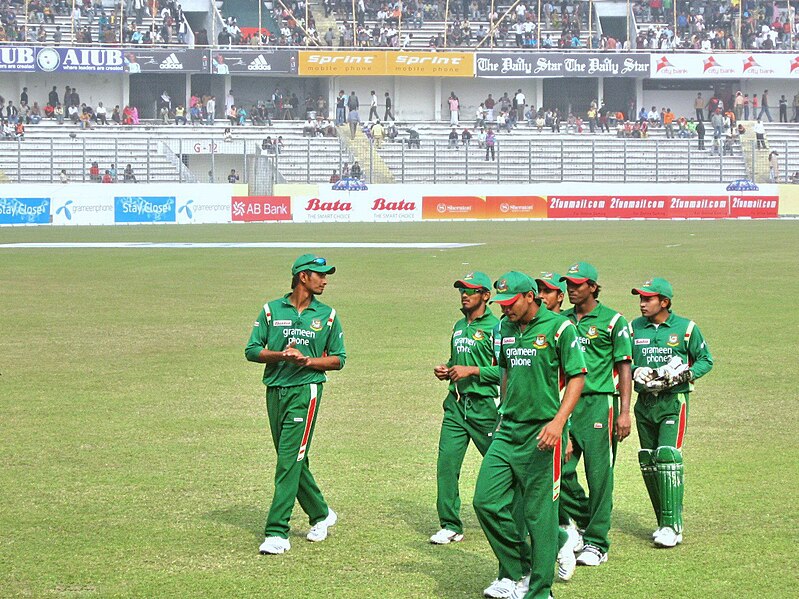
(646, 459)
(670, 479)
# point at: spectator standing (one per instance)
(520, 104)
(390, 114)
(700, 134)
(233, 176)
(699, 106)
(373, 106)
(760, 135)
(783, 109)
(454, 107)
(62, 176)
(341, 108)
(210, 107)
(774, 167)
(490, 141)
(764, 107)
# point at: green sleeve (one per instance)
(490, 374)
(699, 354)
(569, 350)
(636, 352)
(335, 342)
(258, 338)
(451, 361)
(620, 338)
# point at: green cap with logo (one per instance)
(552, 280)
(312, 262)
(652, 287)
(474, 280)
(580, 272)
(510, 286)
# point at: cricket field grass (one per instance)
(136, 456)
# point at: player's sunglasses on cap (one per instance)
(652, 287)
(552, 280)
(579, 273)
(313, 263)
(476, 281)
(511, 286)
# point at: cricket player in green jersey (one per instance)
(539, 352)
(298, 338)
(470, 408)
(669, 353)
(605, 339)
(551, 291)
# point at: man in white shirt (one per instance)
(520, 103)
(229, 101)
(373, 107)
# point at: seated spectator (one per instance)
(19, 131)
(335, 178)
(100, 114)
(241, 115)
(268, 146)
(355, 171)
(481, 139)
(279, 144)
(232, 115)
(62, 176)
(391, 132)
(180, 115)
(466, 138)
(196, 114)
(127, 174)
(453, 139)
(107, 177)
(116, 117)
(228, 134)
(414, 141)
(35, 114)
(309, 129)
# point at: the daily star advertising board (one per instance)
(741, 65)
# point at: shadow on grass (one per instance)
(459, 570)
(247, 517)
(633, 524)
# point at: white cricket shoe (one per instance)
(274, 546)
(567, 562)
(318, 531)
(656, 533)
(500, 589)
(572, 530)
(668, 538)
(445, 537)
(521, 588)
(592, 556)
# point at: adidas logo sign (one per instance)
(171, 62)
(259, 63)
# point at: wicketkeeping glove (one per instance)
(643, 375)
(675, 372)
(656, 385)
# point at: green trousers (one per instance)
(514, 462)
(292, 418)
(593, 441)
(661, 420)
(468, 418)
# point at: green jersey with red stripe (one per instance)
(316, 332)
(605, 338)
(654, 345)
(472, 344)
(535, 360)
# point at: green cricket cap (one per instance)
(511, 285)
(552, 280)
(580, 272)
(654, 286)
(312, 262)
(474, 280)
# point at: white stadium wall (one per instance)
(115, 204)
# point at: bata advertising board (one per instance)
(379, 203)
(740, 65)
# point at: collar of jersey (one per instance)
(312, 306)
(593, 313)
(669, 322)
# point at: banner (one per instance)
(144, 209)
(201, 209)
(78, 209)
(24, 211)
(349, 62)
(379, 203)
(741, 65)
(146, 60)
(430, 64)
(491, 207)
(260, 208)
(392, 63)
(263, 61)
(662, 207)
(561, 64)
